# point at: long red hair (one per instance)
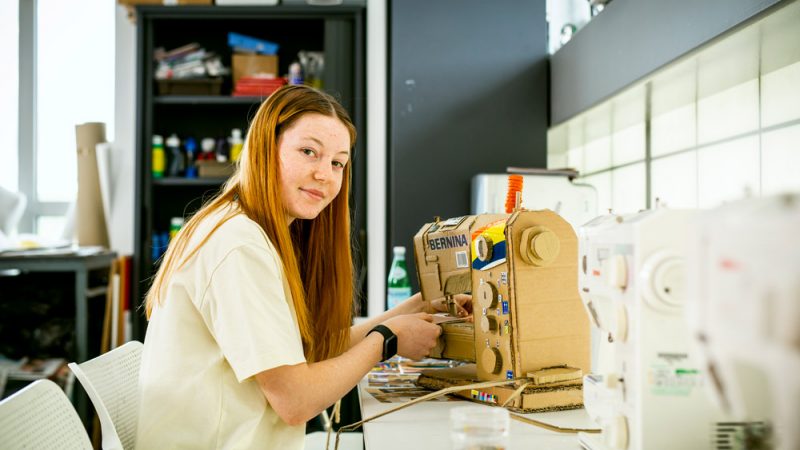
(316, 253)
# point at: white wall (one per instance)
(376, 155)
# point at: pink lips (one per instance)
(313, 193)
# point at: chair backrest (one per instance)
(112, 382)
(40, 416)
(12, 206)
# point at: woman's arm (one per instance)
(411, 305)
(298, 393)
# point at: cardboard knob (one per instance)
(539, 246)
(616, 271)
(615, 432)
(483, 247)
(487, 295)
(492, 360)
(488, 324)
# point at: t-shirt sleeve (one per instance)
(247, 311)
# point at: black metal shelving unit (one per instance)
(338, 31)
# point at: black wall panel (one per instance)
(468, 95)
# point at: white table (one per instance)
(426, 425)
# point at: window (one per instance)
(9, 87)
(68, 49)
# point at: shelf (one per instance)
(338, 31)
(205, 100)
(179, 181)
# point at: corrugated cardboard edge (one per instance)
(556, 396)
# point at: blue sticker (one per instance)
(509, 375)
(505, 307)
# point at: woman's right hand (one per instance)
(416, 334)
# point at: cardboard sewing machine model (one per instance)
(529, 324)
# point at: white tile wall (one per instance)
(724, 123)
(780, 160)
(674, 180)
(727, 171)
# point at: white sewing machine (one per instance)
(744, 313)
(648, 391)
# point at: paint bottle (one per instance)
(175, 225)
(159, 158)
(222, 150)
(177, 164)
(236, 144)
(191, 155)
(295, 73)
(398, 285)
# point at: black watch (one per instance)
(389, 341)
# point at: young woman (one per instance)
(250, 311)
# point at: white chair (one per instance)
(12, 206)
(112, 382)
(40, 416)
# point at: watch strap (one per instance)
(389, 341)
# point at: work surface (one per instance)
(427, 425)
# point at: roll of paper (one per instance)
(90, 224)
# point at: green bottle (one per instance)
(159, 158)
(399, 286)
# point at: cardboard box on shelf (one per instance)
(214, 169)
(199, 86)
(246, 64)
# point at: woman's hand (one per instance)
(416, 334)
(415, 304)
(463, 305)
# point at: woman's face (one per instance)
(313, 153)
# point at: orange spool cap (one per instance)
(514, 186)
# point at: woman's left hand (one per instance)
(415, 304)
(463, 305)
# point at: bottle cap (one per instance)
(399, 250)
(173, 141)
(176, 222)
(236, 133)
(207, 144)
(190, 144)
(158, 139)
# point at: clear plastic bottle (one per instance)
(295, 73)
(177, 161)
(159, 158)
(399, 285)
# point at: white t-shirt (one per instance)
(224, 317)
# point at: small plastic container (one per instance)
(479, 428)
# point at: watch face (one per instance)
(390, 347)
